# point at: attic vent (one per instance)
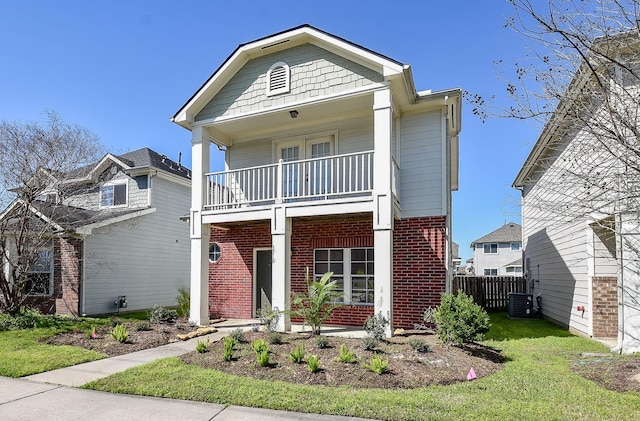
(278, 79)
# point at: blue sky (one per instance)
(123, 68)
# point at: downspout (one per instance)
(621, 322)
(83, 278)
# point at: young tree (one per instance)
(38, 162)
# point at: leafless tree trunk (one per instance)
(38, 162)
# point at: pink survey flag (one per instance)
(471, 375)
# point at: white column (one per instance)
(383, 206)
(199, 233)
(281, 265)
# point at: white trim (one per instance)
(114, 183)
(87, 229)
(287, 79)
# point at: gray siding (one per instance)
(88, 196)
(314, 72)
(421, 165)
(146, 259)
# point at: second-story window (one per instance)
(490, 248)
(113, 195)
(515, 246)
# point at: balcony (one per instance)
(308, 180)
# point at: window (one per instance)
(514, 269)
(352, 270)
(491, 272)
(278, 78)
(515, 246)
(113, 195)
(491, 248)
(214, 252)
(39, 276)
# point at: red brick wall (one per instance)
(67, 275)
(419, 268)
(231, 277)
(419, 264)
(605, 306)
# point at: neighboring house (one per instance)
(456, 261)
(333, 162)
(499, 253)
(468, 267)
(116, 232)
(579, 200)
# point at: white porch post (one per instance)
(383, 206)
(281, 265)
(199, 233)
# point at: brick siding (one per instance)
(605, 306)
(419, 264)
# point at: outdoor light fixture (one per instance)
(293, 114)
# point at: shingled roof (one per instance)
(146, 157)
(510, 232)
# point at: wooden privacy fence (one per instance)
(490, 292)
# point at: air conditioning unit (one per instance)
(520, 305)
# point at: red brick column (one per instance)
(67, 275)
(605, 306)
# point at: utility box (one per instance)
(520, 305)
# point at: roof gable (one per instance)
(300, 35)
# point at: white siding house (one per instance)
(579, 200)
(499, 253)
(335, 163)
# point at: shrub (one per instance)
(298, 354)
(201, 347)
(377, 365)
(375, 326)
(238, 335)
(369, 343)
(269, 318)
(419, 345)
(322, 342)
(458, 319)
(313, 363)
(115, 321)
(315, 306)
(120, 334)
(229, 344)
(142, 326)
(184, 302)
(160, 314)
(259, 346)
(346, 355)
(263, 358)
(275, 338)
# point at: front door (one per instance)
(263, 279)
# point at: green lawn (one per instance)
(22, 352)
(536, 383)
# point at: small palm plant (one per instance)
(315, 306)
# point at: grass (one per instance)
(536, 383)
(23, 353)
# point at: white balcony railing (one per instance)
(309, 179)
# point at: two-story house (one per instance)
(115, 232)
(333, 162)
(499, 253)
(580, 199)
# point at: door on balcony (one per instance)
(318, 171)
(262, 290)
(291, 172)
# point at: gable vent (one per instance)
(278, 78)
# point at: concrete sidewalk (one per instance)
(52, 396)
(28, 400)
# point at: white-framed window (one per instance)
(40, 275)
(214, 252)
(353, 271)
(491, 272)
(278, 79)
(490, 248)
(514, 269)
(113, 195)
(515, 246)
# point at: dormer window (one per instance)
(113, 195)
(278, 78)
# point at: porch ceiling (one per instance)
(278, 120)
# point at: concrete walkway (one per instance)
(52, 396)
